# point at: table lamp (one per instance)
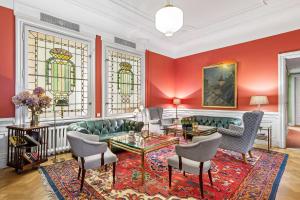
(176, 102)
(259, 100)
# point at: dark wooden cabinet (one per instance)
(27, 146)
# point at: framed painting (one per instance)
(219, 87)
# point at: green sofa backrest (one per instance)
(106, 126)
(223, 122)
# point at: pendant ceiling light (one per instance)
(169, 19)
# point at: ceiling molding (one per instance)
(124, 19)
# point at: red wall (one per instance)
(98, 70)
(7, 62)
(160, 80)
(257, 70)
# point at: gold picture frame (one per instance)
(219, 85)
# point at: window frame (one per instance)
(141, 53)
(22, 27)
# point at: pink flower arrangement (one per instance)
(35, 101)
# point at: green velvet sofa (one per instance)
(220, 122)
(106, 128)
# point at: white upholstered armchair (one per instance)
(91, 153)
(195, 158)
(156, 121)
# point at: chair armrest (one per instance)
(92, 148)
(236, 128)
(229, 132)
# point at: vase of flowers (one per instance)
(36, 102)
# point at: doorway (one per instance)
(289, 99)
(293, 111)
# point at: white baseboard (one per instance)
(271, 118)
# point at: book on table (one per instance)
(31, 157)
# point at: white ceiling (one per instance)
(208, 24)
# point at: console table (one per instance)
(27, 146)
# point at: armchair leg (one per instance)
(201, 179)
(244, 157)
(114, 173)
(79, 172)
(250, 154)
(105, 167)
(184, 173)
(82, 179)
(170, 175)
(210, 177)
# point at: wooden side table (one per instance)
(27, 146)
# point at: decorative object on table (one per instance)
(36, 102)
(176, 102)
(59, 103)
(195, 126)
(261, 174)
(241, 139)
(259, 100)
(219, 87)
(27, 146)
(169, 19)
(131, 136)
(145, 134)
(187, 123)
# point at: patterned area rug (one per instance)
(232, 178)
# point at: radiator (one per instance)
(62, 144)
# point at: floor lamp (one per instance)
(59, 103)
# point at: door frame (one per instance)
(282, 94)
(294, 96)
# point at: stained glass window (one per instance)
(60, 65)
(123, 79)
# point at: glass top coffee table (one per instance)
(142, 146)
(199, 130)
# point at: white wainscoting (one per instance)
(3, 140)
(271, 118)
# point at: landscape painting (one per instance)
(220, 86)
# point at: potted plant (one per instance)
(35, 102)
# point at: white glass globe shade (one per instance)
(168, 20)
